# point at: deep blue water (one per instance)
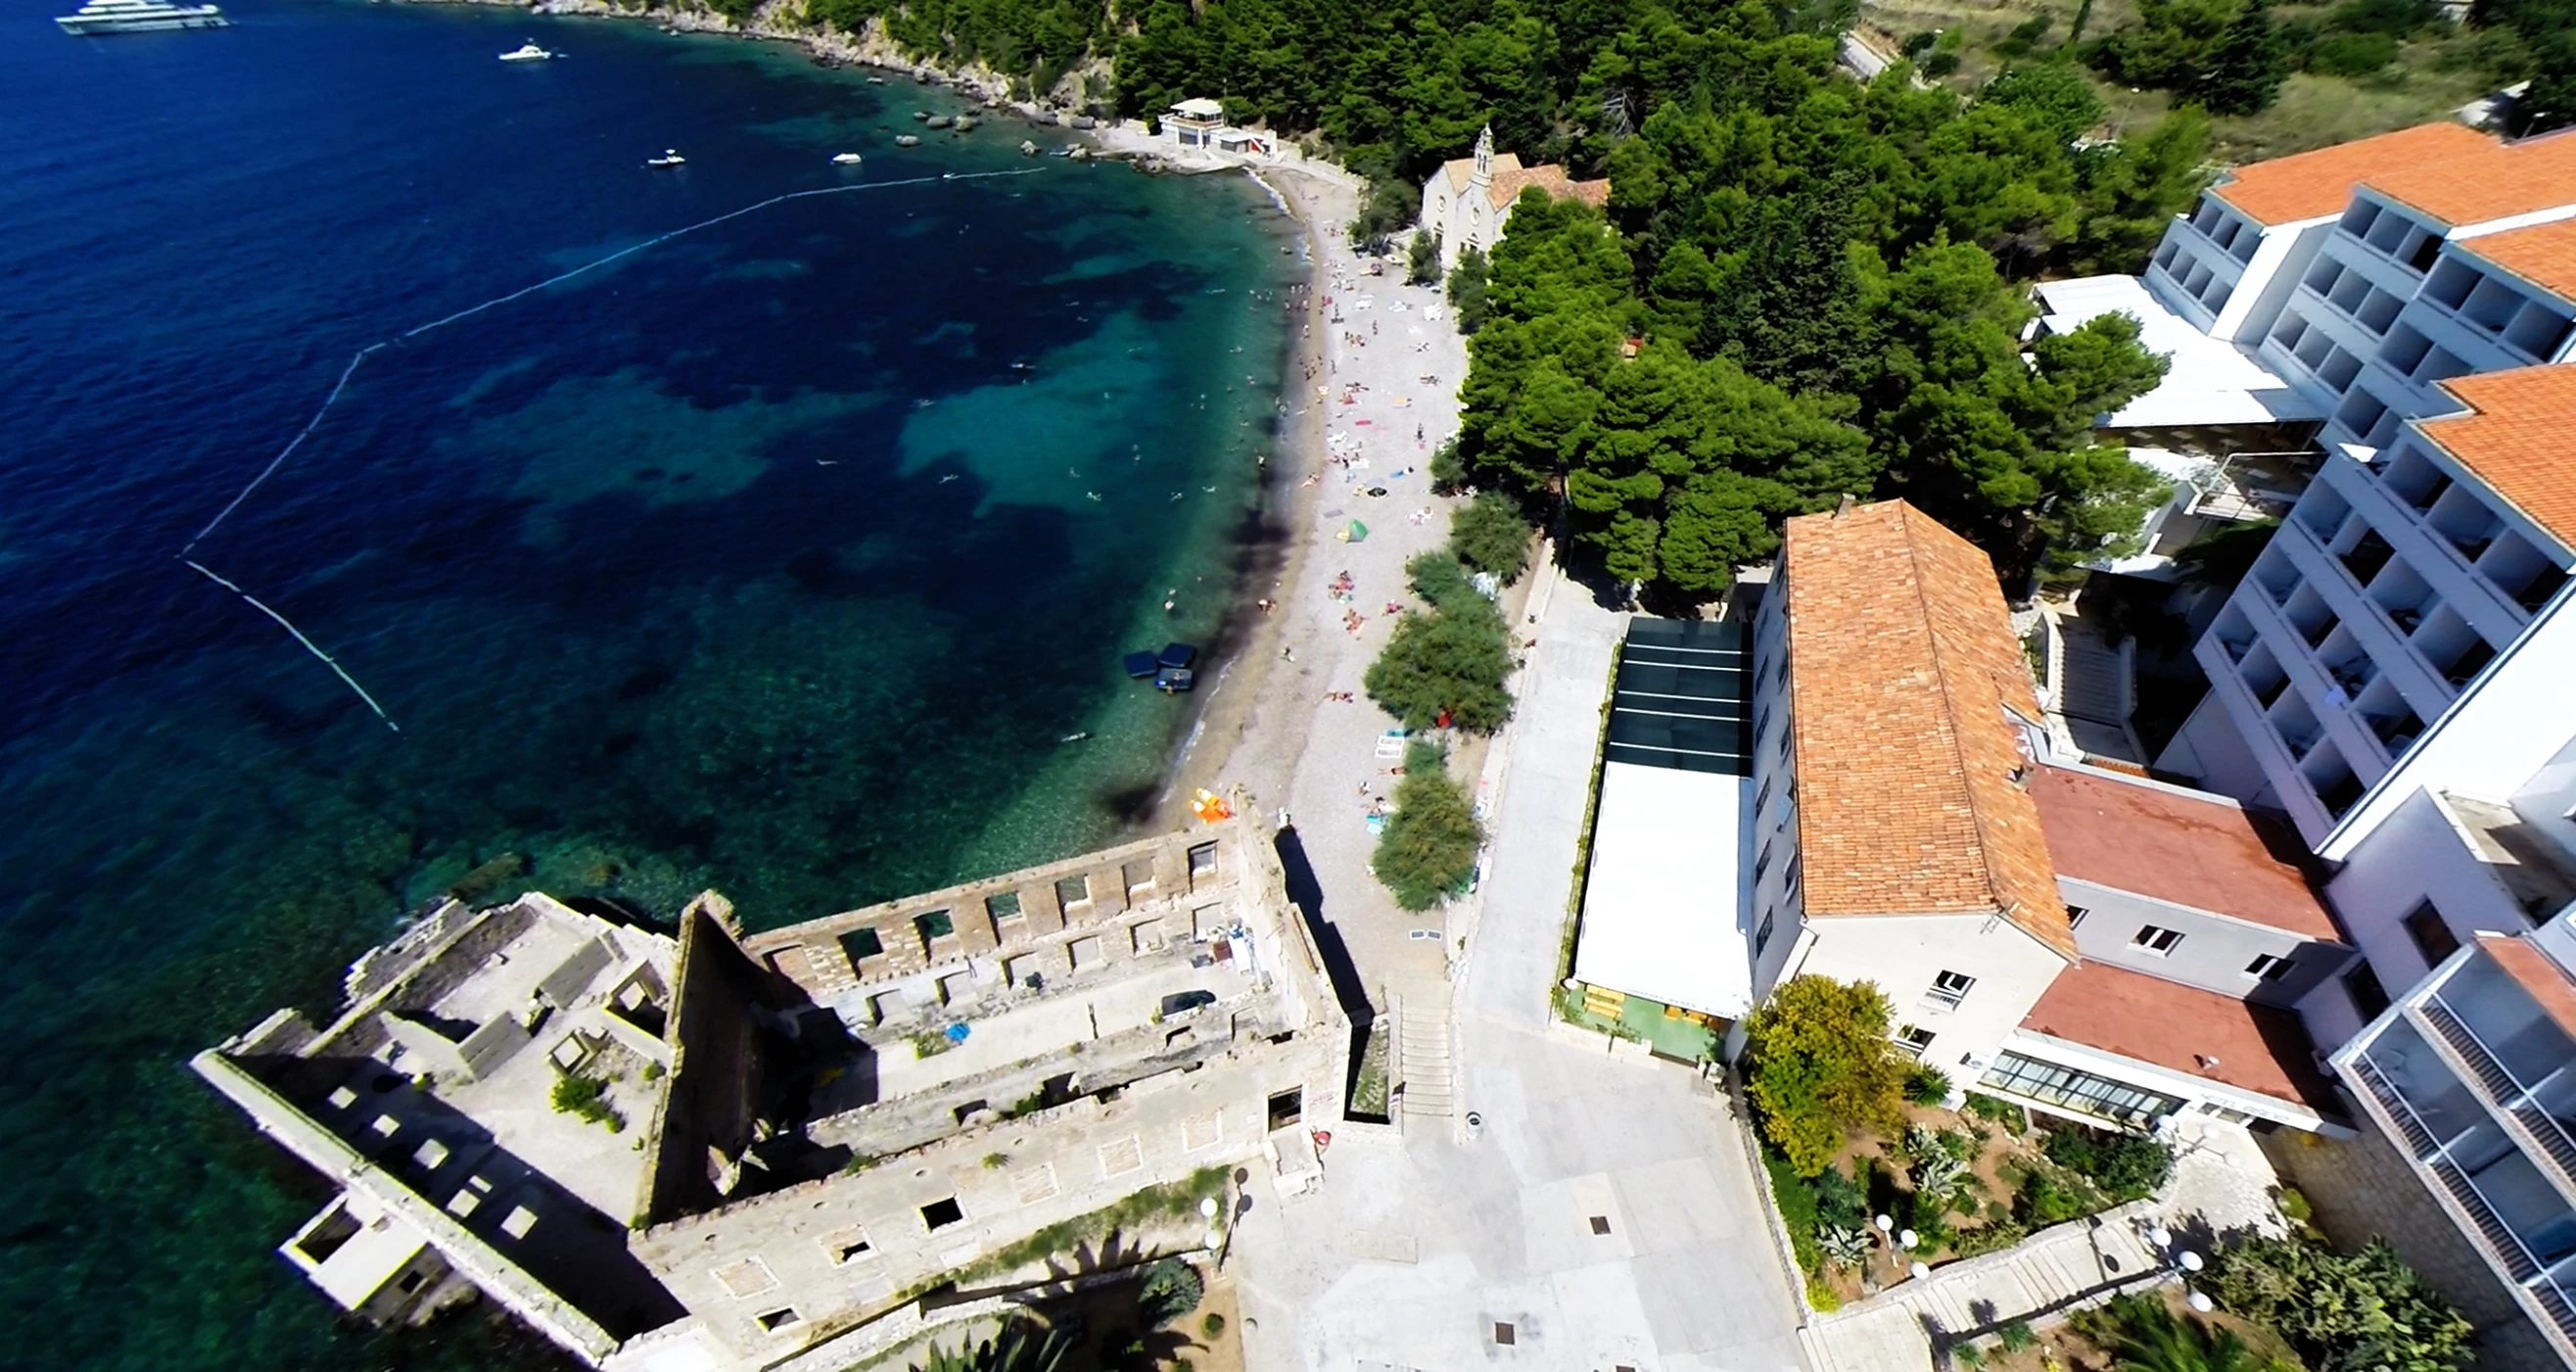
(779, 557)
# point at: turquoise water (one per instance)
(767, 558)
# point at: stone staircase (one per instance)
(1423, 1067)
(2069, 1265)
(2093, 688)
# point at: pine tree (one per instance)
(2248, 66)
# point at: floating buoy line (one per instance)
(359, 359)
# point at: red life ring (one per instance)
(1323, 1140)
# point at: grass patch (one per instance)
(1369, 1093)
(1583, 840)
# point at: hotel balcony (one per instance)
(2475, 1074)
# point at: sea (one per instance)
(792, 553)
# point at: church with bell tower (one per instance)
(1466, 202)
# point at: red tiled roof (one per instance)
(2491, 181)
(2184, 1029)
(2311, 185)
(2536, 974)
(2207, 854)
(1462, 170)
(2544, 254)
(2515, 439)
(1550, 178)
(1903, 665)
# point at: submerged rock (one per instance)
(905, 140)
(964, 123)
(939, 121)
(1028, 148)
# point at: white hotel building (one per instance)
(2397, 674)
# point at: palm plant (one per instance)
(1022, 1345)
(2147, 1337)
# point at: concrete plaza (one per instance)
(1604, 1209)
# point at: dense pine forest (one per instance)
(1803, 286)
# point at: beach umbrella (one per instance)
(1357, 533)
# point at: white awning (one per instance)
(2207, 380)
(1663, 905)
(1199, 108)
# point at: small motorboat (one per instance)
(527, 52)
(905, 140)
(848, 159)
(670, 158)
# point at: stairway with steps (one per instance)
(2095, 692)
(1422, 1054)
(2050, 1271)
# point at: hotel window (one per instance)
(1789, 887)
(2158, 941)
(1948, 989)
(1912, 1041)
(1761, 862)
(2432, 935)
(1762, 797)
(2075, 916)
(2081, 1092)
(1762, 935)
(2368, 996)
(2266, 967)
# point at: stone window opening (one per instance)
(1287, 1106)
(1072, 891)
(847, 1246)
(940, 1214)
(934, 926)
(771, 1321)
(1202, 862)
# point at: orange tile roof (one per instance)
(2184, 1029)
(2204, 853)
(1550, 178)
(2491, 181)
(2544, 254)
(2311, 185)
(2536, 974)
(2515, 439)
(1902, 665)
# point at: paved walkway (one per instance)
(1603, 1209)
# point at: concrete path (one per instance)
(2054, 1270)
(1602, 1213)
(1425, 1078)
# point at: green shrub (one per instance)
(1927, 1086)
(1797, 1204)
(1840, 1201)
(1171, 1289)
(2128, 1166)
(2295, 1207)
(1968, 1355)
(2016, 1336)
(2344, 1312)
(1821, 1297)
(1451, 661)
(2350, 54)
(2044, 1200)
(587, 1097)
(1987, 1238)
(1490, 535)
(1448, 470)
(2002, 1112)
(1427, 851)
(1422, 260)
(1212, 1326)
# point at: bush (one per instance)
(587, 1097)
(1428, 849)
(1840, 1201)
(1448, 470)
(1489, 535)
(2344, 1312)
(1821, 1297)
(2350, 54)
(1170, 1290)
(1796, 1202)
(1422, 260)
(2128, 1166)
(1470, 284)
(1927, 1086)
(2044, 1200)
(2016, 1336)
(1212, 1326)
(1449, 662)
(2002, 1112)
(1987, 1238)
(1822, 1068)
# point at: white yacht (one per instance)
(848, 159)
(526, 52)
(670, 158)
(137, 16)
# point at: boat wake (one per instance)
(342, 385)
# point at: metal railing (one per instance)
(2502, 1243)
(2504, 1088)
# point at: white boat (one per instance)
(140, 16)
(526, 52)
(848, 159)
(670, 158)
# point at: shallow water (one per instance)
(766, 558)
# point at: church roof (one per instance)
(1462, 170)
(1550, 178)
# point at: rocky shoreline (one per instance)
(871, 47)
